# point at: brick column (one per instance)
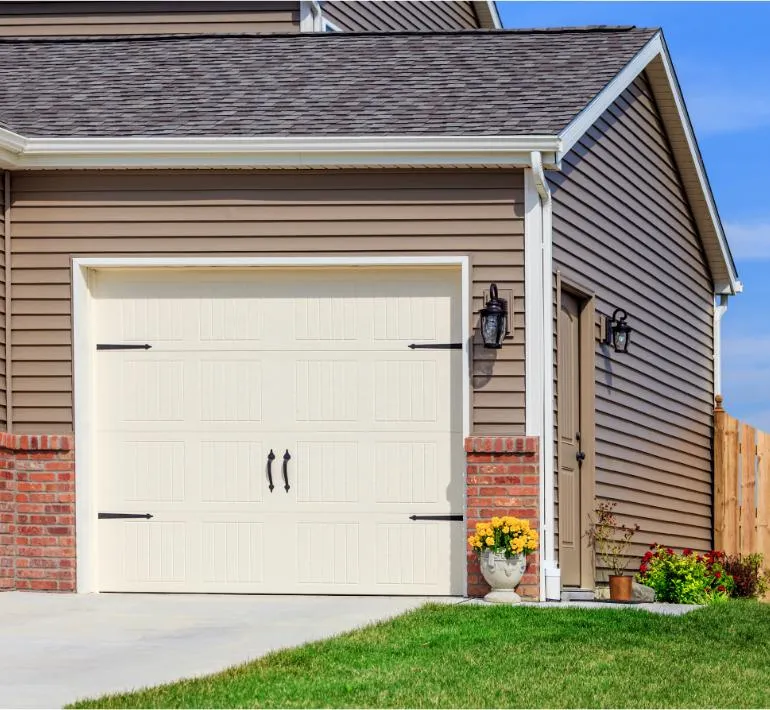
(503, 478)
(7, 519)
(37, 513)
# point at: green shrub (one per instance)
(688, 578)
(750, 578)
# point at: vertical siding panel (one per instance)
(623, 228)
(114, 18)
(62, 214)
(366, 16)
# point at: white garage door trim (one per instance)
(84, 348)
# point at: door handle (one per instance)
(270, 459)
(286, 458)
(580, 456)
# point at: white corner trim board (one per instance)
(84, 348)
(20, 153)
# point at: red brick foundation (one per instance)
(37, 513)
(503, 478)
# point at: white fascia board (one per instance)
(274, 152)
(699, 167)
(495, 14)
(656, 47)
(486, 11)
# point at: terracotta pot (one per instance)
(621, 588)
(503, 574)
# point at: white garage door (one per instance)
(311, 364)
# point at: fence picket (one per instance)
(748, 519)
(731, 503)
(763, 496)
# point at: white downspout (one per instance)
(720, 308)
(550, 577)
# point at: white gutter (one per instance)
(19, 153)
(542, 369)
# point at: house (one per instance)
(243, 278)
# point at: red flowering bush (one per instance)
(751, 580)
(688, 578)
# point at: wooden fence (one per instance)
(741, 486)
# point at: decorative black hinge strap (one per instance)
(122, 346)
(436, 517)
(437, 346)
(123, 516)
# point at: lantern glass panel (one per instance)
(493, 329)
(622, 336)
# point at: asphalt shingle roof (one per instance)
(453, 83)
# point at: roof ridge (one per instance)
(73, 39)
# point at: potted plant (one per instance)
(610, 542)
(502, 545)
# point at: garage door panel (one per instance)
(246, 362)
(231, 471)
(233, 552)
(327, 471)
(142, 555)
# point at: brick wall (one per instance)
(503, 478)
(37, 513)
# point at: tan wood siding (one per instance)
(364, 16)
(113, 18)
(3, 318)
(623, 227)
(58, 215)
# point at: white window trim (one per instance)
(84, 349)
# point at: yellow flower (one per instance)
(506, 529)
(490, 541)
(496, 522)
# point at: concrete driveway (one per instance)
(57, 648)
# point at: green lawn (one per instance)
(479, 656)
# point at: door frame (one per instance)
(586, 367)
(84, 349)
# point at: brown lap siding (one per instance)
(623, 227)
(58, 215)
(117, 18)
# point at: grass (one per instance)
(498, 657)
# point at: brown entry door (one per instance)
(570, 454)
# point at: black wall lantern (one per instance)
(618, 332)
(494, 320)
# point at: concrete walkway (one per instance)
(57, 648)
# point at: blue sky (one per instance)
(721, 51)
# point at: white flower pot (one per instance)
(503, 574)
